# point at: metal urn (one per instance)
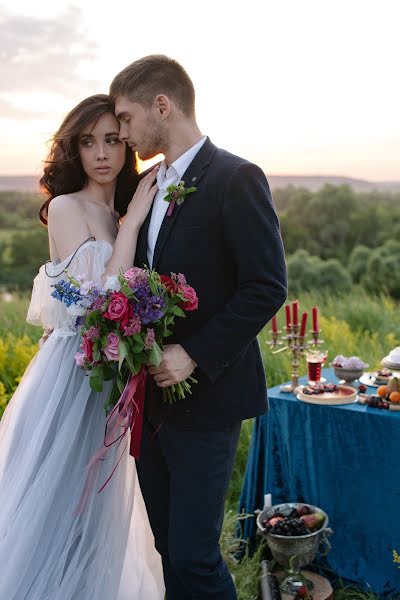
(295, 552)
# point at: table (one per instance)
(344, 459)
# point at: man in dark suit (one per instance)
(225, 239)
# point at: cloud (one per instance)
(39, 54)
(9, 111)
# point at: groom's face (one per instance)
(140, 127)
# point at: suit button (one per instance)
(225, 364)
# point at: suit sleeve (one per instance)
(252, 237)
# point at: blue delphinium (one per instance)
(67, 293)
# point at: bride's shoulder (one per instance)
(66, 206)
(65, 202)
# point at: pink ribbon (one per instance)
(126, 415)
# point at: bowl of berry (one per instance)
(295, 530)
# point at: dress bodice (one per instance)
(88, 262)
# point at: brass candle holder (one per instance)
(297, 345)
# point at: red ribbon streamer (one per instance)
(171, 208)
(126, 414)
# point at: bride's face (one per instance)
(102, 152)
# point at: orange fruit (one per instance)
(394, 397)
(383, 391)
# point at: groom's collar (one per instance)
(202, 159)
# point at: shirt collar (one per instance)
(177, 169)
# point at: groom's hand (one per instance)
(176, 366)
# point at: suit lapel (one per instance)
(141, 251)
(191, 177)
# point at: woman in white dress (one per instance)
(54, 423)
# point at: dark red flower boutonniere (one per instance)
(177, 195)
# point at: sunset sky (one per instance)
(308, 87)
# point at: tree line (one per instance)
(334, 238)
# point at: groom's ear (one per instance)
(163, 106)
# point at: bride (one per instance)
(54, 423)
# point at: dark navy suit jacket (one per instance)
(225, 239)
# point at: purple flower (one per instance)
(149, 307)
(134, 326)
(181, 279)
(93, 333)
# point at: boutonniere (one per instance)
(177, 195)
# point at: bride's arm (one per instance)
(125, 244)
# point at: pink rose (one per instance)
(80, 359)
(135, 276)
(87, 347)
(112, 349)
(119, 309)
(191, 301)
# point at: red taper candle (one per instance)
(287, 312)
(303, 324)
(274, 324)
(295, 309)
(315, 319)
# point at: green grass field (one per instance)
(354, 324)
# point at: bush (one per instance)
(306, 273)
(383, 272)
(358, 262)
(15, 355)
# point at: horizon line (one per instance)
(268, 174)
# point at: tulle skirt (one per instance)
(52, 426)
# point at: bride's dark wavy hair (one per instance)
(63, 171)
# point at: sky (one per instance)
(299, 87)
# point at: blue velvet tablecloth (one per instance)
(344, 459)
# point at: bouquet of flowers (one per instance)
(125, 324)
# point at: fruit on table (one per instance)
(394, 397)
(382, 391)
(376, 402)
(314, 521)
(302, 510)
(393, 385)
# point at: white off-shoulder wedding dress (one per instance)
(51, 428)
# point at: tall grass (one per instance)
(13, 309)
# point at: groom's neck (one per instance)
(183, 136)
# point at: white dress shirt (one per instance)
(166, 177)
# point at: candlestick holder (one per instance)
(316, 341)
(275, 342)
(297, 345)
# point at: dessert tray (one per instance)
(328, 394)
(375, 379)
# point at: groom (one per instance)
(225, 239)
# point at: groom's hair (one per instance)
(156, 74)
